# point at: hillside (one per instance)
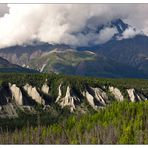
(58, 109)
(77, 94)
(133, 52)
(63, 59)
(6, 66)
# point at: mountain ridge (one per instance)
(6, 66)
(77, 94)
(115, 58)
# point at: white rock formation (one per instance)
(100, 95)
(142, 97)
(117, 93)
(45, 88)
(134, 95)
(68, 100)
(131, 93)
(59, 93)
(42, 68)
(16, 94)
(90, 99)
(33, 93)
(96, 94)
(9, 110)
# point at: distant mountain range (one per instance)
(115, 58)
(6, 67)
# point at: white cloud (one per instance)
(63, 23)
(3, 9)
(105, 35)
(129, 33)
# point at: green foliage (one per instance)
(119, 123)
(76, 82)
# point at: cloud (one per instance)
(3, 9)
(129, 33)
(105, 35)
(65, 23)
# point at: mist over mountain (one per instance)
(115, 58)
(68, 24)
(103, 41)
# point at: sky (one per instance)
(22, 24)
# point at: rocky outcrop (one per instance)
(90, 99)
(100, 95)
(16, 94)
(96, 97)
(68, 100)
(135, 95)
(59, 93)
(131, 93)
(24, 97)
(117, 93)
(8, 110)
(45, 88)
(34, 94)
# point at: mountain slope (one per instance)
(133, 52)
(71, 61)
(105, 67)
(76, 94)
(115, 58)
(6, 66)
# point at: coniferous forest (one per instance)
(120, 123)
(117, 123)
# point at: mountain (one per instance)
(119, 25)
(46, 60)
(115, 58)
(133, 52)
(70, 61)
(6, 66)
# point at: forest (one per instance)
(118, 123)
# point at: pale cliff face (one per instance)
(10, 110)
(96, 97)
(131, 94)
(68, 100)
(135, 96)
(33, 93)
(16, 94)
(59, 93)
(117, 93)
(96, 94)
(90, 99)
(45, 88)
(100, 95)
